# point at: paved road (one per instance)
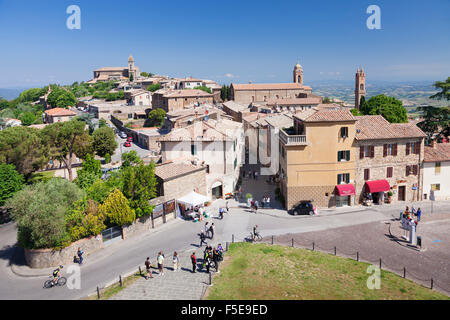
(126, 255)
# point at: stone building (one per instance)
(176, 179)
(173, 100)
(58, 115)
(360, 86)
(116, 73)
(317, 158)
(389, 159)
(263, 92)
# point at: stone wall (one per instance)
(180, 186)
(46, 258)
(143, 225)
(316, 193)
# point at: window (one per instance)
(412, 148)
(235, 163)
(193, 149)
(343, 178)
(366, 174)
(234, 145)
(344, 132)
(412, 170)
(344, 155)
(389, 173)
(366, 151)
(437, 168)
(389, 149)
(436, 187)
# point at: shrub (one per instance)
(117, 210)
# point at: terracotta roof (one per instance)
(441, 152)
(234, 106)
(377, 127)
(112, 69)
(171, 170)
(185, 93)
(294, 101)
(330, 115)
(270, 86)
(60, 112)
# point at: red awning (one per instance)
(345, 190)
(377, 186)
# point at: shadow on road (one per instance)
(13, 254)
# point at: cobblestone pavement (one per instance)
(374, 241)
(179, 285)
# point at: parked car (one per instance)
(303, 207)
(130, 139)
(127, 144)
(123, 135)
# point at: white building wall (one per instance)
(443, 178)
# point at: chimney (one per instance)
(433, 143)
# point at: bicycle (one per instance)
(256, 237)
(60, 282)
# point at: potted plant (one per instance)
(390, 194)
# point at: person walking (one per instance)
(202, 238)
(256, 206)
(161, 263)
(216, 259)
(194, 262)
(268, 201)
(221, 210)
(176, 261)
(227, 206)
(148, 267)
(80, 255)
(208, 262)
(419, 214)
(256, 175)
(211, 230)
(206, 228)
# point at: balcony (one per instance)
(292, 140)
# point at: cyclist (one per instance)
(56, 275)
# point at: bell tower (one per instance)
(360, 86)
(131, 67)
(298, 74)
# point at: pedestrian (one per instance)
(221, 213)
(227, 205)
(268, 201)
(194, 262)
(176, 261)
(200, 211)
(80, 255)
(148, 267)
(161, 263)
(256, 175)
(220, 248)
(419, 214)
(208, 262)
(211, 230)
(256, 206)
(202, 238)
(216, 259)
(206, 228)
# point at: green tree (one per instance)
(130, 158)
(157, 117)
(90, 172)
(204, 88)
(104, 141)
(116, 209)
(32, 95)
(225, 93)
(66, 99)
(131, 78)
(27, 118)
(139, 186)
(435, 123)
(64, 140)
(84, 219)
(100, 189)
(3, 103)
(154, 87)
(327, 100)
(444, 87)
(102, 123)
(10, 182)
(40, 213)
(355, 112)
(88, 119)
(147, 74)
(389, 107)
(24, 148)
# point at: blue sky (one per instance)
(227, 41)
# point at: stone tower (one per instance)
(360, 86)
(298, 74)
(131, 70)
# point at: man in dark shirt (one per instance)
(194, 262)
(148, 266)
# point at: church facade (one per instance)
(116, 73)
(263, 92)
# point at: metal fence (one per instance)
(111, 233)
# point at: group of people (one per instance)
(251, 174)
(266, 201)
(208, 232)
(212, 255)
(408, 214)
(160, 262)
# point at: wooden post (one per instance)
(380, 263)
(292, 242)
(98, 293)
(313, 245)
(404, 272)
(357, 256)
(120, 280)
(232, 238)
(431, 284)
(272, 239)
(227, 246)
(210, 278)
(334, 250)
(140, 271)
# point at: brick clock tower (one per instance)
(360, 86)
(298, 74)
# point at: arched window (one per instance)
(361, 87)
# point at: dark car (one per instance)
(304, 207)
